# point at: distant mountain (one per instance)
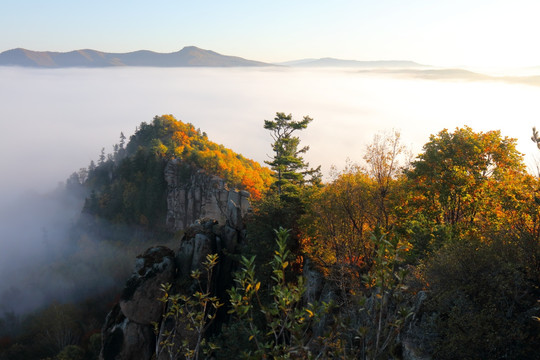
(331, 62)
(188, 56)
(436, 74)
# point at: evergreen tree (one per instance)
(285, 202)
(101, 160)
(289, 166)
(122, 140)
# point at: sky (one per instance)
(473, 33)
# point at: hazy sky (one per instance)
(447, 33)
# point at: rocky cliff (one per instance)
(128, 333)
(211, 216)
(193, 194)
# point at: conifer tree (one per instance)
(288, 164)
(285, 202)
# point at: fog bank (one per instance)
(55, 121)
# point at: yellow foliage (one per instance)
(188, 144)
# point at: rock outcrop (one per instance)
(211, 216)
(128, 330)
(128, 333)
(193, 194)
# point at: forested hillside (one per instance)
(128, 186)
(431, 257)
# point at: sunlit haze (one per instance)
(451, 33)
(56, 121)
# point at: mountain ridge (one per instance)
(333, 62)
(189, 56)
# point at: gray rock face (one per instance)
(193, 194)
(412, 337)
(128, 332)
(193, 197)
(314, 282)
(153, 268)
(415, 337)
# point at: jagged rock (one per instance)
(124, 339)
(314, 282)
(229, 237)
(201, 248)
(153, 268)
(128, 331)
(192, 198)
(198, 241)
(193, 194)
(318, 290)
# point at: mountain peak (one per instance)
(191, 47)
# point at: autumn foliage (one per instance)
(465, 214)
(129, 187)
(171, 138)
(440, 255)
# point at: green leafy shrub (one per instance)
(187, 318)
(284, 332)
(71, 352)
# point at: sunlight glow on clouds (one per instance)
(55, 121)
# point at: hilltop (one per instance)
(130, 186)
(189, 56)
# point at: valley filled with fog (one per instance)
(54, 122)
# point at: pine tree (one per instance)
(288, 164)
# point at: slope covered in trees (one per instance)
(128, 186)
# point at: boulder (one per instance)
(124, 339)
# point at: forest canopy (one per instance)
(170, 138)
(129, 185)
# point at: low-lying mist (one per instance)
(45, 258)
(54, 122)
